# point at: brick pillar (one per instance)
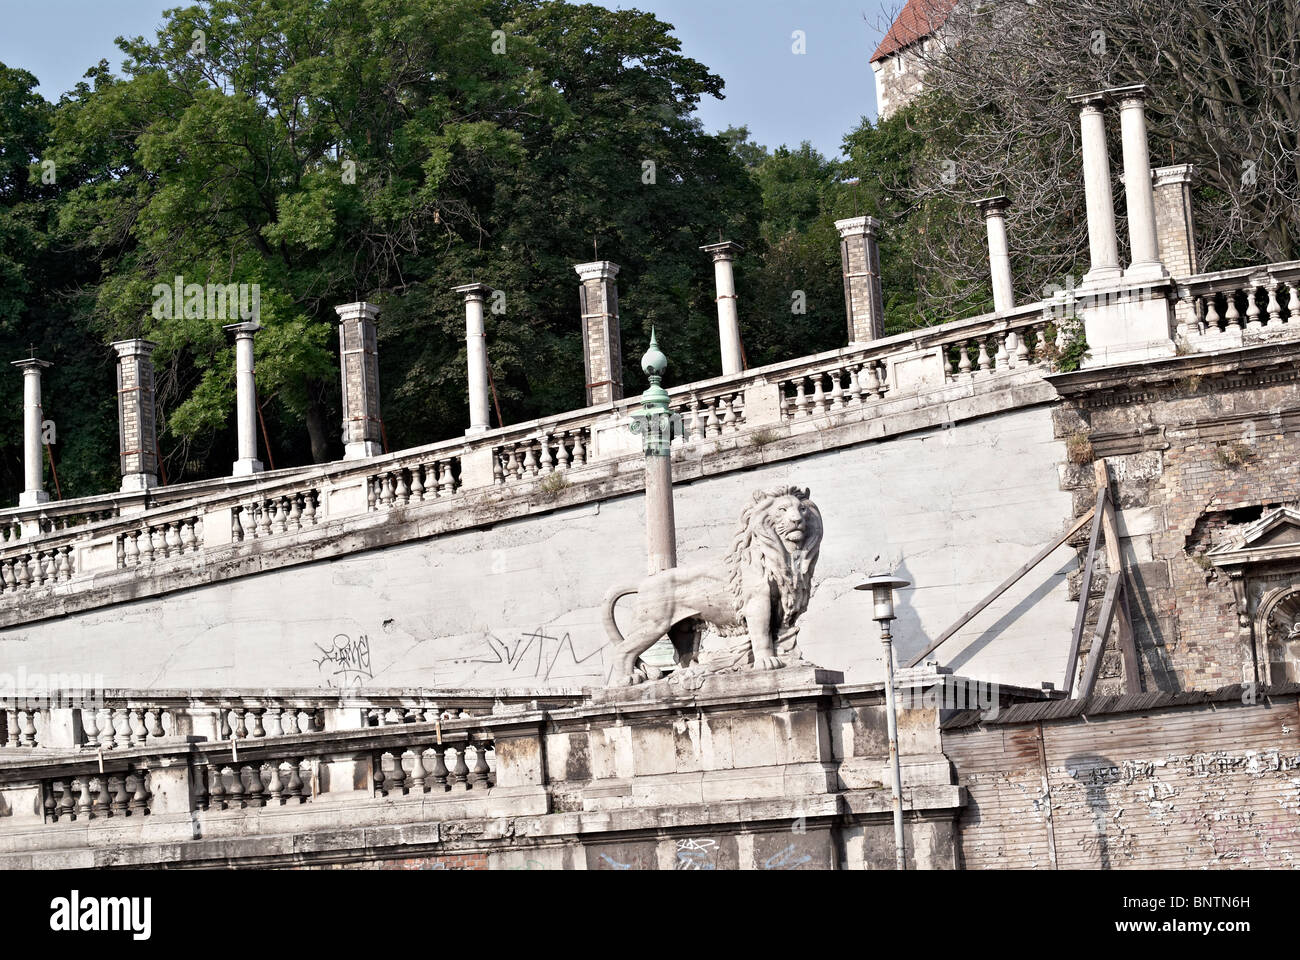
(1174, 228)
(863, 298)
(359, 364)
(136, 427)
(602, 348)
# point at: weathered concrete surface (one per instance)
(953, 510)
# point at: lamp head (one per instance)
(882, 587)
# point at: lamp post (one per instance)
(882, 587)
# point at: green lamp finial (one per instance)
(654, 422)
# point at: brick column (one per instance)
(724, 254)
(359, 364)
(1174, 227)
(33, 415)
(136, 427)
(863, 298)
(602, 348)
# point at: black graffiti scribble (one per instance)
(537, 649)
(348, 659)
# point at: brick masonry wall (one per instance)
(1174, 228)
(442, 861)
(1192, 461)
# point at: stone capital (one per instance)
(244, 329)
(993, 206)
(598, 270)
(357, 311)
(726, 250)
(857, 227)
(134, 348)
(1133, 95)
(30, 363)
(1178, 173)
(473, 291)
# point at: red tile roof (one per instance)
(917, 20)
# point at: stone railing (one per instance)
(1225, 309)
(120, 720)
(179, 526)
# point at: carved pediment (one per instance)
(1275, 537)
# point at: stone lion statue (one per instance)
(754, 595)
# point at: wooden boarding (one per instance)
(1085, 588)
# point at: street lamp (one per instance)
(882, 587)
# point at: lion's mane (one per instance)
(757, 540)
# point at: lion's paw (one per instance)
(768, 663)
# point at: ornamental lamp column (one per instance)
(658, 426)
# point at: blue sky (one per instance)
(782, 97)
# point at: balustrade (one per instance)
(39, 568)
(235, 785)
(413, 484)
(245, 723)
(1256, 304)
(552, 451)
(429, 767)
(96, 796)
(269, 516)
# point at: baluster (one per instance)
(459, 775)
(855, 384)
(51, 805)
(121, 800)
(188, 541)
(836, 398)
(387, 491)
(372, 494)
(1253, 322)
(819, 394)
(121, 551)
(138, 730)
(274, 785)
(66, 804)
(153, 723)
(725, 424)
(90, 727)
(236, 791)
(712, 425)
(948, 372)
(695, 429)
(101, 809)
(107, 733)
(236, 528)
(311, 722)
(7, 573)
(446, 479)
(1001, 357)
(172, 536)
(415, 780)
(437, 778)
(81, 785)
(580, 447)
(295, 511)
(1293, 304)
(985, 362)
(478, 776)
(241, 730)
(272, 717)
(27, 727)
(1021, 345)
(62, 571)
(296, 790)
(255, 796)
(395, 781)
(401, 491)
(548, 460)
(24, 572)
(801, 404)
(309, 508)
(563, 451)
(531, 463)
(1233, 316)
(417, 484)
(257, 731)
(963, 363)
(216, 788)
(289, 722)
(11, 727)
(1274, 308)
(282, 514)
(140, 797)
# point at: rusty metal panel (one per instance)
(1004, 823)
(1214, 785)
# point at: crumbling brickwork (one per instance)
(1197, 448)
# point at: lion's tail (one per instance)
(611, 599)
